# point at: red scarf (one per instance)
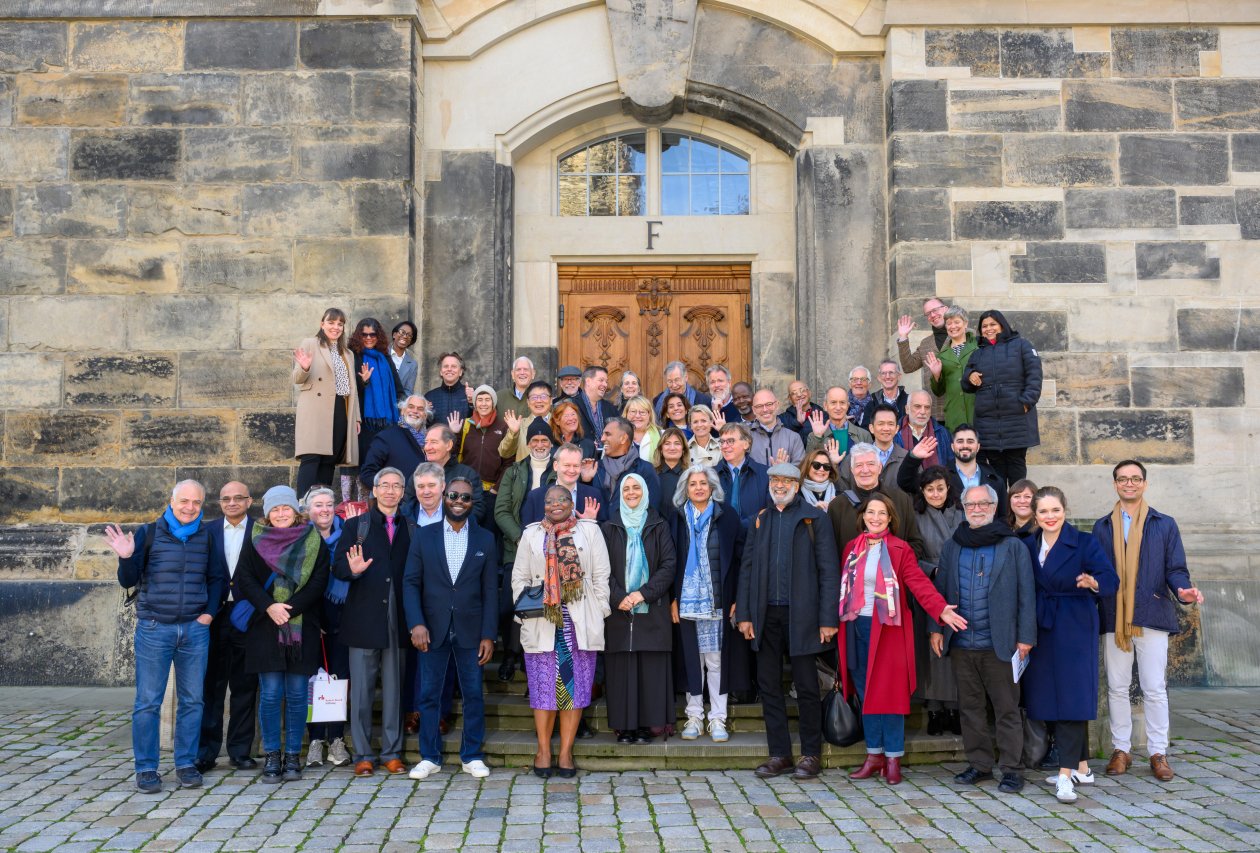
(908, 442)
(852, 585)
(484, 422)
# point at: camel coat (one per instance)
(317, 394)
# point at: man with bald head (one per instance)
(771, 441)
(178, 589)
(225, 666)
(832, 424)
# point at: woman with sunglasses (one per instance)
(380, 389)
(818, 479)
(327, 419)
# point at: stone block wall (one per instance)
(179, 201)
(1101, 185)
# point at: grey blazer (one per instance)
(1012, 595)
(407, 373)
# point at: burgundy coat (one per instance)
(890, 677)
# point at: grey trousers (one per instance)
(366, 666)
(980, 673)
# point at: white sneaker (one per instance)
(1077, 778)
(315, 754)
(424, 770)
(717, 731)
(693, 729)
(338, 754)
(1065, 792)
(477, 769)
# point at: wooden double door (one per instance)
(640, 317)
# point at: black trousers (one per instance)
(315, 468)
(981, 674)
(774, 644)
(1009, 464)
(225, 671)
(1072, 736)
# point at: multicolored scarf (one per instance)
(887, 589)
(290, 553)
(636, 559)
(562, 582)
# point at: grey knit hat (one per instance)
(279, 496)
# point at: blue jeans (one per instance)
(289, 688)
(885, 733)
(158, 646)
(433, 666)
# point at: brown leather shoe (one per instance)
(395, 766)
(364, 768)
(444, 726)
(411, 722)
(807, 768)
(874, 766)
(776, 765)
(1159, 766)
(892, 771)
(1119, 764)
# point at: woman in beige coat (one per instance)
(327, 404)
(567, 556)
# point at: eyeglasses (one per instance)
(727, 441)
(537, 398)
(860, 380)
(1129, 481)
(820, 466)
(233, 499)
(462, 497)
(889, 373)
(367, 334)
(976, 504)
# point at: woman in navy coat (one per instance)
(1061, 682)
(1004, 374)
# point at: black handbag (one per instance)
(841, 718)
(529, 604)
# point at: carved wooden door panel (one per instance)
(641, 317)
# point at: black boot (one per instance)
(272, 768)
(1050, 761)
(954, 722)
(292, 766)
(936, 722)
(507, 669)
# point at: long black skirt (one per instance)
(639, 688)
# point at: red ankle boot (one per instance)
(874, 765)
(892, 771)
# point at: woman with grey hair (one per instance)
(710, 543)
(947, 369)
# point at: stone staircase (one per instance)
(511, 742)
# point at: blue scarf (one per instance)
(380, 398)
(696, 603)
(337, 589)
(184, 532)
(636, 559)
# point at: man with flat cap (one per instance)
(788, 601)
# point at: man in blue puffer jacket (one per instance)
(179, 589)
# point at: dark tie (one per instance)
(735, 490)
(389, 528)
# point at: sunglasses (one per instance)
(464, 497)
(820, 466)
(367, 334)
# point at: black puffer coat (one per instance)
(1010, 372)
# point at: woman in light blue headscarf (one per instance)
(638, 639)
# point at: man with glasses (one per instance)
(771, 441)
(744, 482)
(934, 311)
(451, 598)
(225, 666)
(1145, 545)
(373, 626)
(889, 393)
(399, 446)
(439, 448)
(985, 571)
(538, 406)
(859, 395)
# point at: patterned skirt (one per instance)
(561, 680)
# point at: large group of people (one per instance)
(652, 549)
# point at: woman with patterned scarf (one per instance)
(876, 635)
(283, 573)
(638, 637)
(567, 557)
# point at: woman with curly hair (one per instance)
(380, 389)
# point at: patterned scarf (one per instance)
(852, 592)
(1126, 559)
(290, 553)
(908, 442)
(562, 583)
(696, 603)
(636, 559)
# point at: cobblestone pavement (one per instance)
(67, 786)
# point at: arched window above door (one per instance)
(653, 173)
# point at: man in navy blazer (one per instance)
(566, 467)
(400, 446)
(225, 665)
(451, 598)
(753, 493)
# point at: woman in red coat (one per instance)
(877, 638)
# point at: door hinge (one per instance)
(747, 315)
(562, 315)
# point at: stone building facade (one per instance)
(184, 186)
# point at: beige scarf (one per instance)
(1127, 554)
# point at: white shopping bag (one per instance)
(327, 698)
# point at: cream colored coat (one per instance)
(588, 615)
(317, 394)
